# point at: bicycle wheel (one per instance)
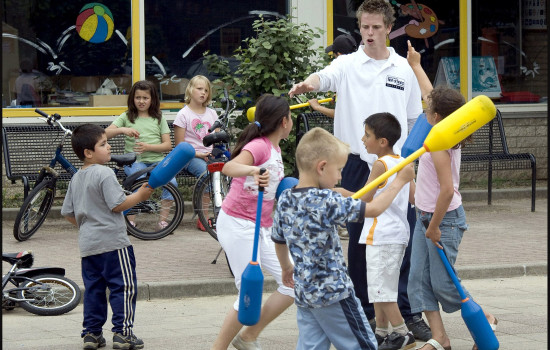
(149, 215)
(205, 207)
(34, 210)
(49, 295)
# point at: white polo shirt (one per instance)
(365, 87)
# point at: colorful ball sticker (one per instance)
(95, 23)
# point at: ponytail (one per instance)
(270, 111)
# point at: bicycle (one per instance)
(212, 186)
(42, 291)
(39, 201)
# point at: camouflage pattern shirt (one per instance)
(307, 220)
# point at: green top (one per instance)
(150, 132)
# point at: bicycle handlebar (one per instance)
(53, 119)
(224, 119)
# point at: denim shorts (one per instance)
(429, 282)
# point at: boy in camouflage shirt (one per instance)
(307, 220)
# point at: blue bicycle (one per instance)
(145, 215)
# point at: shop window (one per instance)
(509, 43)
(177, 33)
(60, 53)
(513, 35)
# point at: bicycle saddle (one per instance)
(25, 257)
(123, 159)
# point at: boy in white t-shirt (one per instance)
(387, 235)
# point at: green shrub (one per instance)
(281, 53)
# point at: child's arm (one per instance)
(412, 191)
(241, 166)
(442, 163)
(113, 130)
(72, 220)
(343, 191)
(143, 193)
(384, 199)
(378, 169)
(413, 58)
(179, 134)
(286, 264)
(316, 106)
(164, 146)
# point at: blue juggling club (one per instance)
(252, 280)
(472, 314)
(171, 164)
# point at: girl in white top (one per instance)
(192, 123)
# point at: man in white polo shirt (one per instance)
(371, 80)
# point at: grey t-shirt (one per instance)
(92, 194)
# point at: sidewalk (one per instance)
(504, 240)
(519, 303)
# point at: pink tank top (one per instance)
(427, 184)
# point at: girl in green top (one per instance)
(146, 133)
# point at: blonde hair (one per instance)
(316, 145)
(191, 86)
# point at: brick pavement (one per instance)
(501, 238)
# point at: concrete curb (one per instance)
(226, 286)
(467, 196)
(206, 288)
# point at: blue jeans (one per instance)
(354, 176)
(137, 166)
(196, 166)
(429, 282)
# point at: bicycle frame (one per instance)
(58, 157)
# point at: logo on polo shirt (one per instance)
(395, 82)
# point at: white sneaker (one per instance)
(240, 344)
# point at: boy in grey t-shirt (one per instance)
(94, 202)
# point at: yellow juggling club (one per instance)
(252, 110)
(445, 134)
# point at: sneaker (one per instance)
(127, 342)
(396, 341)
(200, 226)
(379, 339)
(92, 341)
(240, 344)
(343, 233)
(132, 223)
(419, 328)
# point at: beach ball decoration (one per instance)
(95, 23)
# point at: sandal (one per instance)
(435, 345)
(493, 327)
(163, 224)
